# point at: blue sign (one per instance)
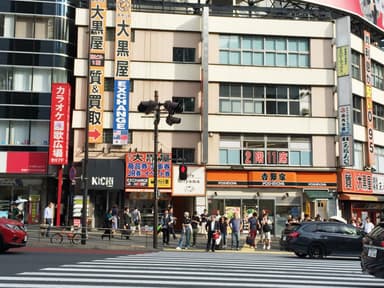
(120, 112)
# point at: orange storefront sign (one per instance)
(217, 178)
(354, 181)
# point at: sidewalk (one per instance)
(143, 242)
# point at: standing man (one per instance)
(136, 216)
(236, 226)
(48, 217)
(212, 227)
(368, 225)
(165, 222)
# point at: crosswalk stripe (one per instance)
(175, 269)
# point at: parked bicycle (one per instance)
(72, 235)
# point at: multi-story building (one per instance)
(36, 49)
(282, 105)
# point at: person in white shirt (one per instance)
(368, 226)
(48, 217)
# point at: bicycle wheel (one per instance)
(76, 238)
(57, 238)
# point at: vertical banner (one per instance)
(344, 91)
(122, 72)
(59, 126)
(368, 98)
(97, 31)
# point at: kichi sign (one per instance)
(59, 127)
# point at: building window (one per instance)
(356, 72)
(379, 159)
(269, 100)
(108, 136)
(33, 133)
(266, 150)
(377, 75)
(378, 117)
(264, 51)
(358, 155)
(109, 84)
(110, 34)
(181, 54)
(357, 110)
(183, 155)
(187, 102)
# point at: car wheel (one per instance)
(301, 255)
(316, 251)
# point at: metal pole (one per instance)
(155, 188)
(85, 178)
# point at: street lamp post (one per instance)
(149, 107)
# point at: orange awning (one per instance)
(361, 197)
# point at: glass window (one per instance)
(4, 132)
(234, 42)
(22, 79)
(41, 80)
(181, 54)
(377, 75)
(6, 75)
(24, 27)
(234, 57)
(378, 117)
(188, 103)
(183, 155)
(358, 155)
(379, 157)
(39, 133)
(357, 112)
(356, 72)
(224, 57)
(19, 132)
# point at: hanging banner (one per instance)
(59, 127)
(122, 72)
(97, 31)
(368, 98)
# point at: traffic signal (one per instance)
(183, 172)
(147, 106)
(172, 108)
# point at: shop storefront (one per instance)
(105, 188)
(361, 194)
(280, 193)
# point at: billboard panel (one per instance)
(97, 33)
(59, 127)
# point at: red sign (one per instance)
(27, 162)
(354, 181)
(139, 170)
(59, 129)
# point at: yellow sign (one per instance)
(342, 62)
(161, 182)
(97, 31)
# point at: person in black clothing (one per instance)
(212, 227)
(223, 230)
(127, 220)
(165, 222)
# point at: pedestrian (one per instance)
(211, 228)
(368, 225)
(266, 225)
(195, 227)
(136, 216)
(223, 222)
(185, 237)
(115, 219)
(203, 222)
(236, 226)
(254, 225)
(127, 220)
(165, 222)
(48, 217)
(107, 224)
(172, 224)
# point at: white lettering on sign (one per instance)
(121, 106)
(102, 181)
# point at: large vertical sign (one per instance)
(368, 99)
(97, 15)
(122, 72)
(344, 91)
(59, 127)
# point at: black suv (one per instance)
(320, 239)
(372, 257)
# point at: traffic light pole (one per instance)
(155, 185)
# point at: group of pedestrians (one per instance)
(131, 222)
